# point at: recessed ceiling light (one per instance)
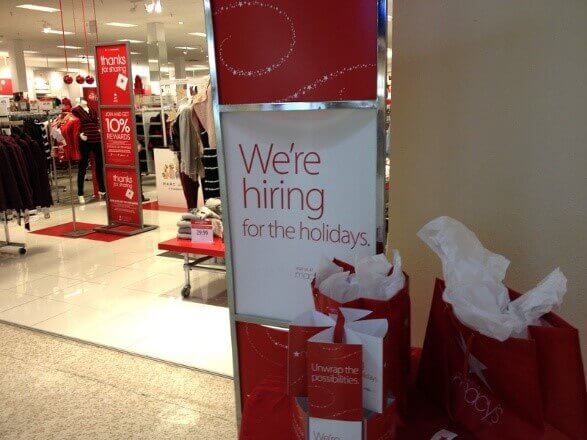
(153, 61)
(196, 68)
(131, 41)
(69, 47)
(180, 22)
(135, 53)
(29, 52)
(123, 25)
(37, 8)
(197, 34)
(185, 48)
(55, 31)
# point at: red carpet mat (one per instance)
(57, 231)
(154, 206)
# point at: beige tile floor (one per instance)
(54, 388)
(119, 294)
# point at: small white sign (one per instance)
(202, 233)
(45, 105)
(335, 429)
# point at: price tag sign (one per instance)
(202, 232)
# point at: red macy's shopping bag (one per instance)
(516, 389)
(397, 342)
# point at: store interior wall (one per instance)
(489, 127)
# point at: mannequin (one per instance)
(91, 142)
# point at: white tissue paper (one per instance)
(370, 280)
(474, 283)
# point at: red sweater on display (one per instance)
(89, 123)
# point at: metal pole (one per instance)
(71, 195)
(6, 230)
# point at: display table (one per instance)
(195, 256)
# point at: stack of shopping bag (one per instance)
(335, 377)
(495, 364)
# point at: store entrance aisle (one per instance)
(118, 294)
(53, 388)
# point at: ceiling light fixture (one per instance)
(180, 22)
(69, 47)
(196, 68)
(29, 52)
(122, 25)
(197, 34)
(389, 53)
(131, 41)
(38, 8)
(55, 31)
(154, 7)
(135, 53)
(185, 48)
(153, 61)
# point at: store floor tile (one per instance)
(120, 294)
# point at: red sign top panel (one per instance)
(113, 72)
(295, 50)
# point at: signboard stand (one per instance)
(242, 120)
(119, 140)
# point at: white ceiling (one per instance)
(17, 23)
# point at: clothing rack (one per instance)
(7, 246)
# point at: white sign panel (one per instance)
(169, 190)
(301, 187)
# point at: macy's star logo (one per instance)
(475, 365)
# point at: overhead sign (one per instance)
(301, 188)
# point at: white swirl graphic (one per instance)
(259, 353)
(323, 80)
(237, 71)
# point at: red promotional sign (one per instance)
(123, 190)
(6, 86)
(118, 136)
(114, 76)
(288, 51)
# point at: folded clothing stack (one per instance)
(211, 211)
(185, 226)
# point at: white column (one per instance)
(17, 66)
(157, 52)
(180, 68)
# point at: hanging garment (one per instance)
(190, 144)
(202, 104)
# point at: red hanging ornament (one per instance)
(79, 79)
(90, 79)
(68, 79)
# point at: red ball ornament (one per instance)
(90, 79)
(67, 79)
(79, 79)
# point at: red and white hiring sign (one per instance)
(118, 136)
(301, 187)
(113, 71)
